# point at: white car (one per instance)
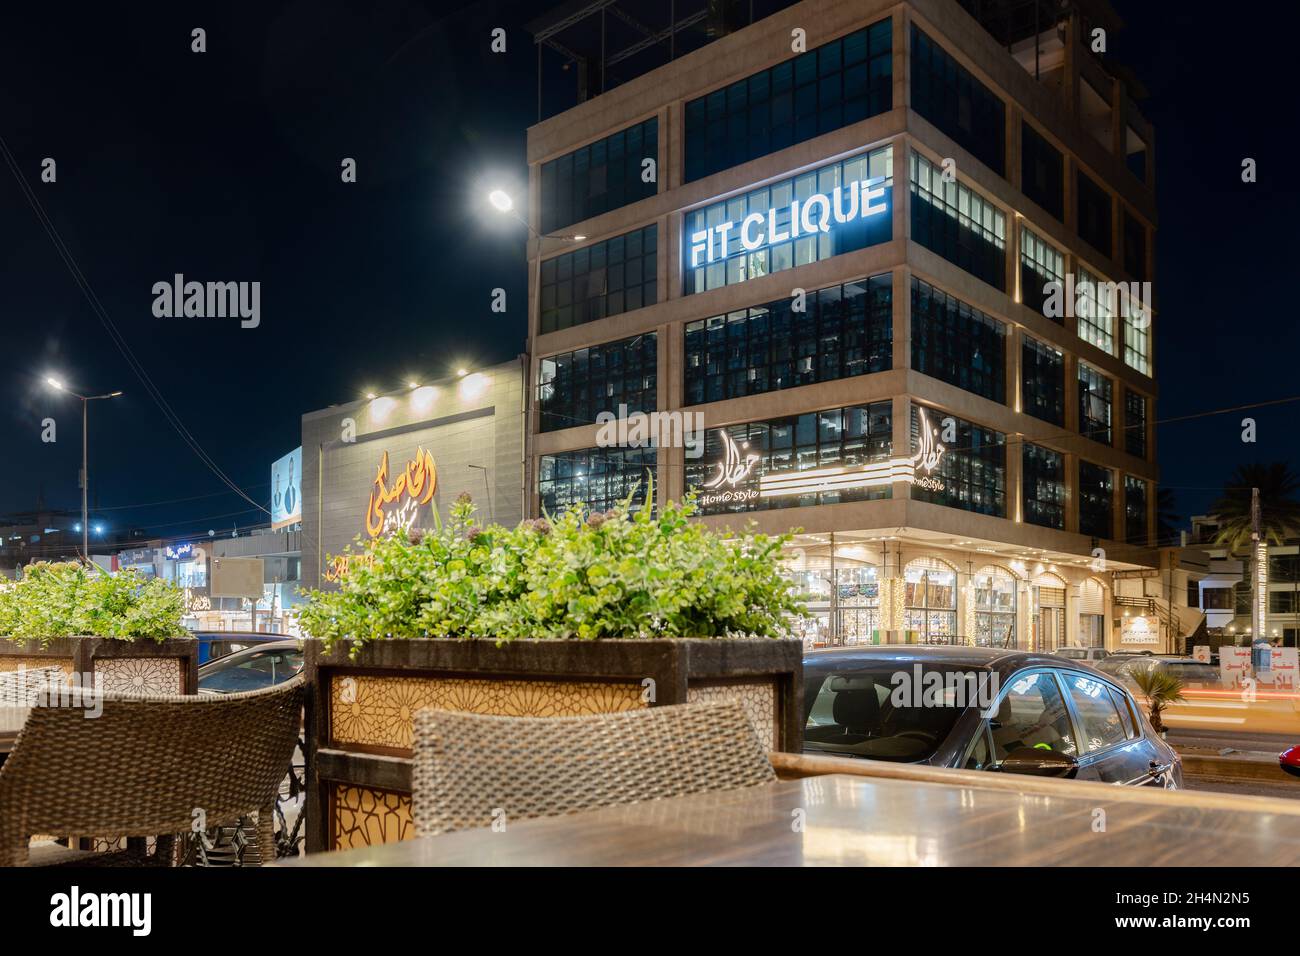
(1082, 653)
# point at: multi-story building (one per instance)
(1227, 594)
(833, 234)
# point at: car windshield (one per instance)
(891, 711)
(257, 670)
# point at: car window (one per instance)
(261, 669)
(1125, 713)
(979, 756)
(1101, 726)
(1032, 714)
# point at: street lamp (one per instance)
(502, 202)
(58, 386)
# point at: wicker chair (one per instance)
(142, 768)
(470, 768)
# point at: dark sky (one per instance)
(224, 166)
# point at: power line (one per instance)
(122, 346)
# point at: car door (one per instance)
(1112, 747)
(1030, 712)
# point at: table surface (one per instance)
(841, 820)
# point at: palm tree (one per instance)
(1279, 509)
(1161, 688)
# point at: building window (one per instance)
(843, 331)
(1043, 484)
(1242, 599)
(751, 235)
(1135, 510)
(835, 85)
(1094, 404)
(945, 93)
(770, 455)
(1137, 335)
(930, 602)
(1040, 264)
(1094, 214)
(1135, 423)
(574, 387)
(600, 280)
(594, 478)
(600, 176)
(971, 471)
(1042, 381)
(958, 224)
(1094, 308)
(1042, 172)
(958, 344)
(995, 608)
(1135, 246)
(1281, 602)
(1096, 500)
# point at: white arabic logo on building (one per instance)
(931, 451)
(731, 469)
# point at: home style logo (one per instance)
(396, 508)
(732, 470)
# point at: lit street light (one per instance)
(501, 202)
(84, 527)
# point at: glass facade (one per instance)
(971, 473)
(1043, 481)
(843, 331)
(945, 93)
(1094, 404)
(594, 478)
(1137, 337)
(995, 608)
(1135, 423)
(600, 280)
(600, 176)
(958, 224)
(715, 236)
(1042, 381)
(1040, 264)
(574, 387)
(1135, 246)
(1093, 207)
(1135, 510)
(930, 602)
(1094, 307)
(836, 84)
(1042, 172)
(957, 343)
(781, 448)
(1096, 500)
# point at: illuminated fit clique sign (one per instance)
(817, 213)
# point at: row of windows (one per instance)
(594, 478)
(945, 93)
(833, 438)
(958, 223)
(714, 240)
(1042, 381)
(574, 387)
(836, 84)
(971, 473)
(957, 343)
(600, 280)
(600, 176)
(840, 332)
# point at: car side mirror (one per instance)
(1037, 762)
(1289, 760)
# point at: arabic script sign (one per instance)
(395, 507)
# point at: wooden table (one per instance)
(877, 821)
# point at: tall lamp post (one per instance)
(58, 386)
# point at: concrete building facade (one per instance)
(963, 462)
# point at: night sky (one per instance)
(225, 166)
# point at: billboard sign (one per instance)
(286, 489)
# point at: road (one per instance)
(1286, 789)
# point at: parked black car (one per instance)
(981, 709)
(262, 665)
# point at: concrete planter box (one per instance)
(359, 712)
(141, 666)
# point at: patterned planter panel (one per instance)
(147, 676)
(758, 697)
(365, 816)
(376, 710)
(9, 664)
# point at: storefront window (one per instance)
(995, 608)
(930, 602)
(970, 471)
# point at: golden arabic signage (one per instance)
(396, 506)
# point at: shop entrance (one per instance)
(1051, 618)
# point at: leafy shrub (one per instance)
(625, 573)
(54, 600)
